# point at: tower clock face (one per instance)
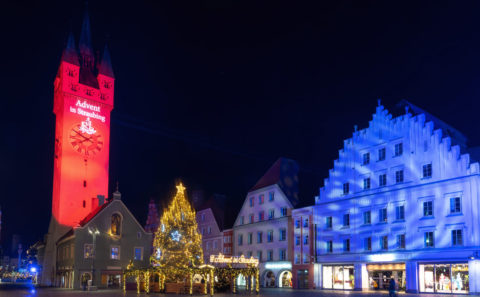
(85, 139)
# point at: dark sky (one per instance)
(214, 92)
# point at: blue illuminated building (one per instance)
(401, 202)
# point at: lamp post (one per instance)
(94, 233)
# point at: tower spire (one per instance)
(85, 42)
(70, 54)
(105, 67)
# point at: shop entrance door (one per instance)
(379, 276)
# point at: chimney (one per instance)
(101, 200)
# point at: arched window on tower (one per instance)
(116, 224)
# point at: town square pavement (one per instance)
(44, 292)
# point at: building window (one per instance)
(305, 223)
(269, 255)
(271, 214)
(427, 170)
(346, 188)
(328, 222)
(366, 183)
(400, 212)
(455, 205)
(270, 236)
(203, 217)
(429, 239)
(382, 215)
(259, 237)
(252, 218)
(138, 253)
(457, 238)
(401, 241)
(271, 196)
(242, 220)
(88, 251)
(259, 256)
(283, 211)
(305, 259)
(283, 254)
(250, 238)
(305, 240)
(252, 201)
(297, 224)
(240, 239)
(428, 208)
(116, 224)
(215, 245)
(346, 245)
(382, 180)
(209, 230)
(366, 158)
(381, 154)
(207, 246)
(329, 246)
(367, 217)
(261, 216)
(367, 244)
(283, 234)
(249, 254)
(297, 259)
(297, 240)
(398, 149)
(115, 252)
(399, 176)
(384, 242)
(346, 220)
(261, 199)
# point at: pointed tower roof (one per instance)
(105, 67)
(85, 42)
(70, 54)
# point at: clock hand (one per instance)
(80, 134)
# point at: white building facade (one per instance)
(401, 202)
(263, 226)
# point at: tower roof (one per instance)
(85, 42)
(70, 54)
(105, 67)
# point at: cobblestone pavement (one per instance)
(43, 292)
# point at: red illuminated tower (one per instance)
(83, 100)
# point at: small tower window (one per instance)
(106, 84)
(84, 183)
(71, 73)
(84, 204)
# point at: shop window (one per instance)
(400, 213)
(429, 239)
(444, 278)
(457, 237)
(367, 217)
(455, 205)
(428, 208)
(338, 277)
(346, 188)
(427, 170)
(399, 176)
(381, 154)
(398, 149)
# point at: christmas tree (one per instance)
(177, 243)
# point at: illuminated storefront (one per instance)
(443, 278)
(340, 277)
(379, 275)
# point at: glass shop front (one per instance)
(340, 277)
(444, 278)
(379, 276)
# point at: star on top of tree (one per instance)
(180, 189)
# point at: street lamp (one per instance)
(94, 233)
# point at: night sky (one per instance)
(214, 92)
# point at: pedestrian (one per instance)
(391, 288)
